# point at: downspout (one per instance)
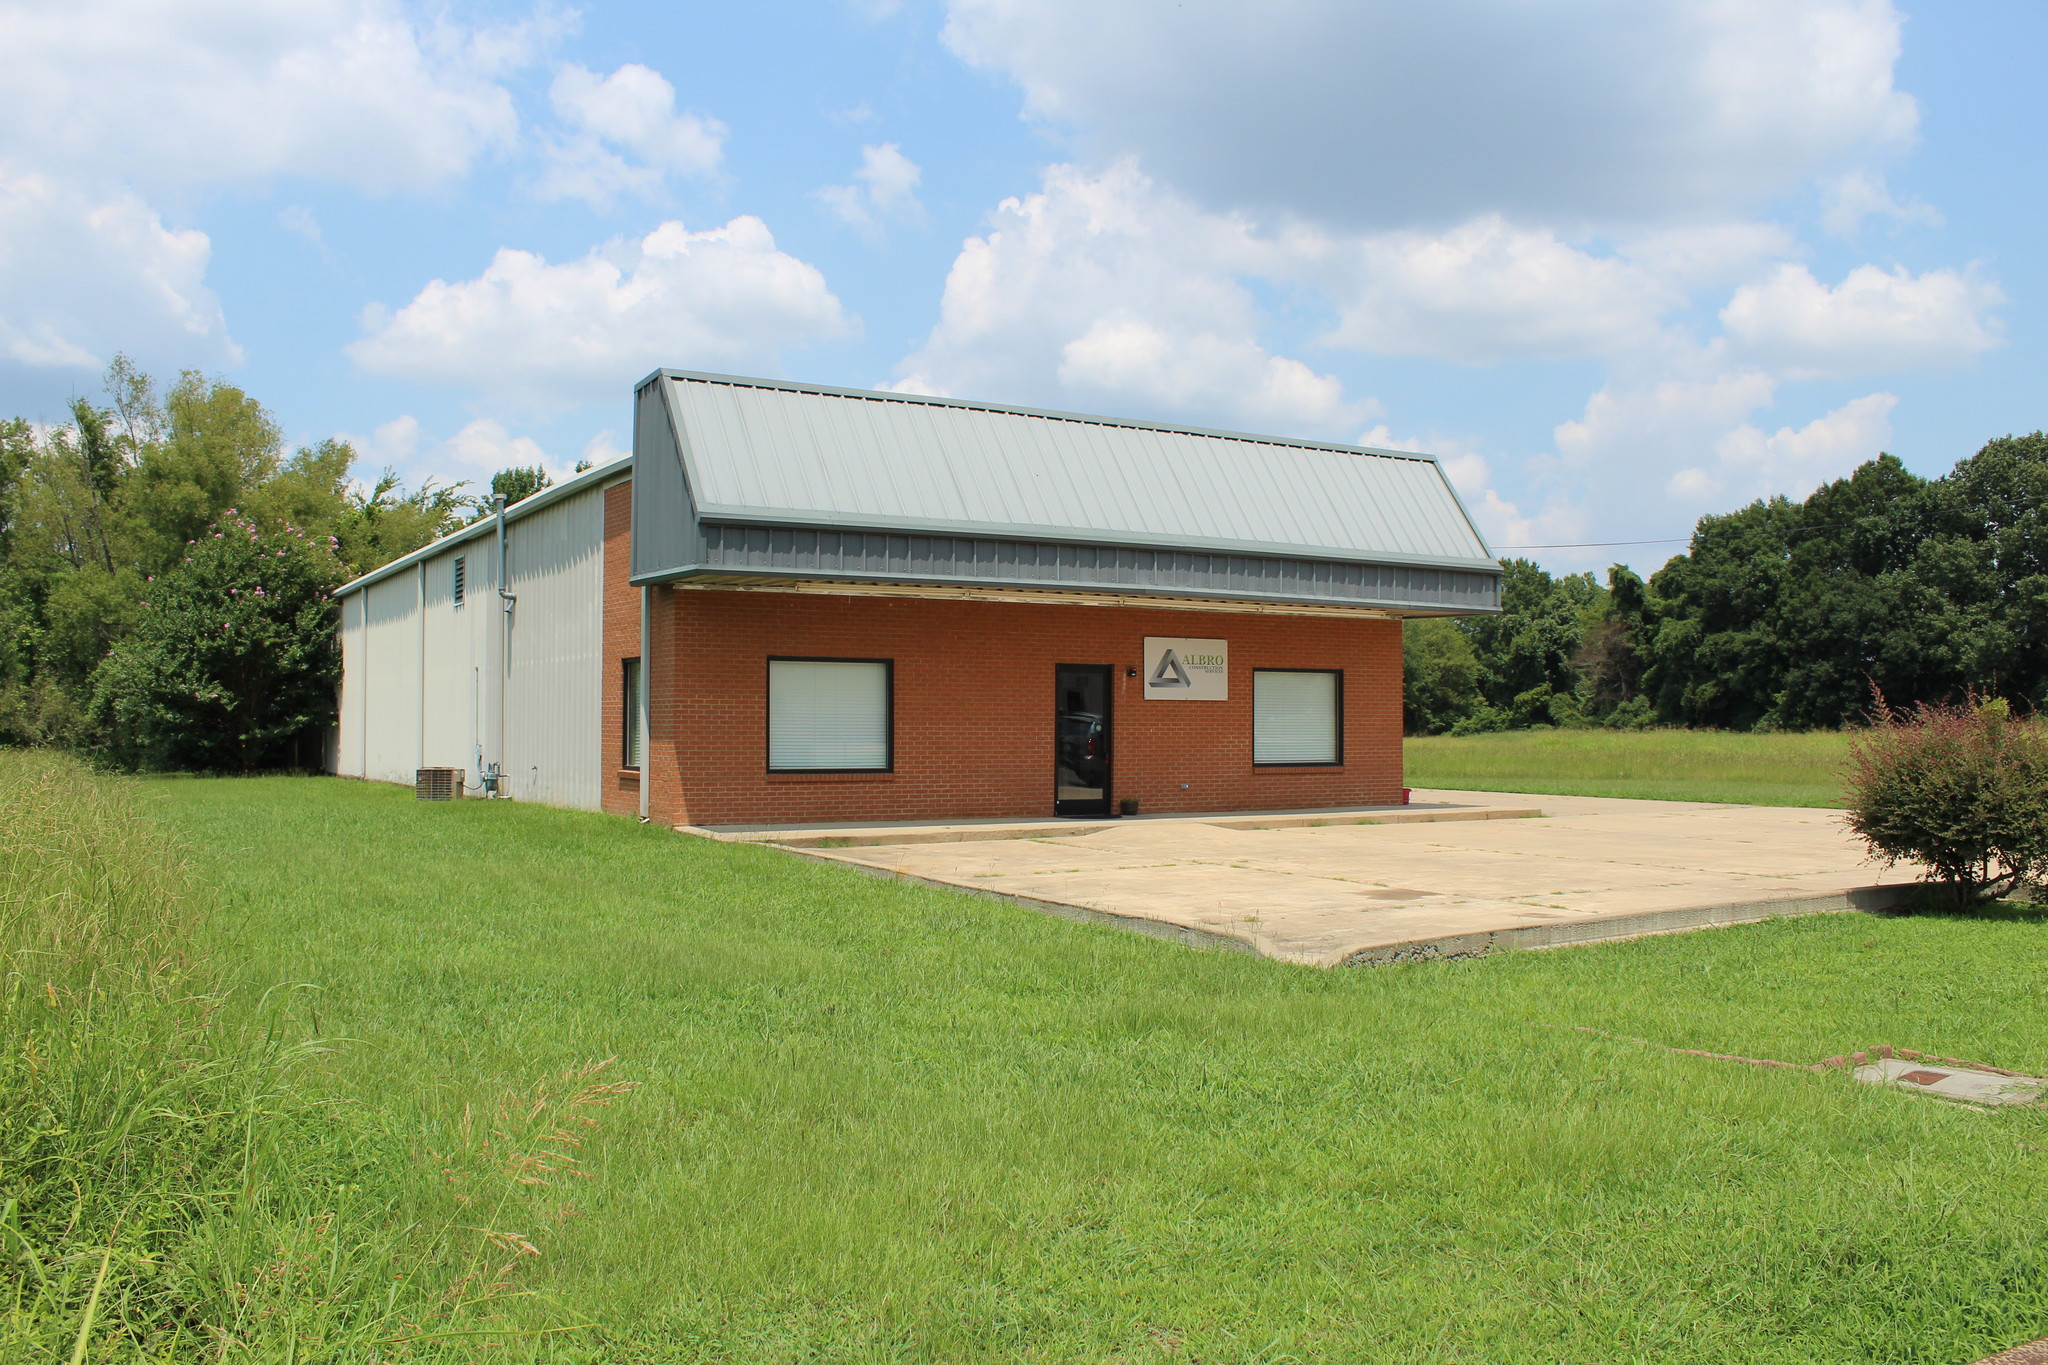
(646, 691)
(507, 598)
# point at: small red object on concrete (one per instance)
(1404, 795)
(1924, 1077)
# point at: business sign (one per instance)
(1186, 670)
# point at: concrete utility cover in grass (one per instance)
(1952, 1082)
(1459, 874)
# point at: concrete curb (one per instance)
(1860, 900)
(868, 837)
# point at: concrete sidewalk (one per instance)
(1459, 876)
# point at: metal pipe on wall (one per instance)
(646, 690)
(507, 598)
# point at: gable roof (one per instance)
(767, 452)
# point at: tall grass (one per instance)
(1659, 765)
(173, 1187)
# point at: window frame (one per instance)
(768, 714)
(631, 720)
(1337, 702)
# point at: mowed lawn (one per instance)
(1659, 765)
(884, 1123)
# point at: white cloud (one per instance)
(354, 91)
(886, 187)
(1849, 198)
(1122, 358)
(1661, 453)
(298, 218)
(623, 136)
(1874, 320)
(484, 447)
(1102, 290)
(1750, 463)
(393, 443)
(480, 448)
(1428, 112)
(1487, 291)
(82, 276)
(537, 333)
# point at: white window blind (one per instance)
(827, 715)
(1294, 717)
(630, 713)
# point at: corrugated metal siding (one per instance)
(948, 559)
(840, 460)
(391, 682)
(456, 647)
(355, 667)
(553, 724)
(664, 523)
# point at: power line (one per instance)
(1598, 544)
(1803, 528)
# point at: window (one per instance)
(1297, 716)
(629, 747)
(829, 715)
(460, 579)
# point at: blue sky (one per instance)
(1618, 263)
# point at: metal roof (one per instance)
(764, 451)
(488, 523)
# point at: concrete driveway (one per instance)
(1457, 874)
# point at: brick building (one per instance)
(797, 603)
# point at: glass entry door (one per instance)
(1081, 739)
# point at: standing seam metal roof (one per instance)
(761, 451)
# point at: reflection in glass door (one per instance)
(1081, 739)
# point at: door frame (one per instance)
(1106, 805)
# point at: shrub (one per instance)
(1960, 789)
(233, 663)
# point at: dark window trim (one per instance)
(1336, 762)
(768, 710)
(629, 712)
(1108, 672)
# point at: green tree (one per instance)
(1526, 653)
(521, 481)
(1717, 659)
(234, 661)
(385, 522)
(219, 447)
(1439, 676)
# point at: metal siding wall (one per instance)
(554, 717)
(1059, 564)
(451, 725)
(664, 523)
(391, 681)
(355, 663)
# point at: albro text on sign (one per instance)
(1186, 670)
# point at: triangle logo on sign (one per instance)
(1170, 673)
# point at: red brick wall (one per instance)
(974, 707)
(620, 788)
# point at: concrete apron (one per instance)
(1458, 875)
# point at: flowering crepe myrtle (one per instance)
(233, 663)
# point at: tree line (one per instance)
(115, 535)
(1782, 615)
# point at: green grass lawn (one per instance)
(885, 1123)
(1660, 765)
